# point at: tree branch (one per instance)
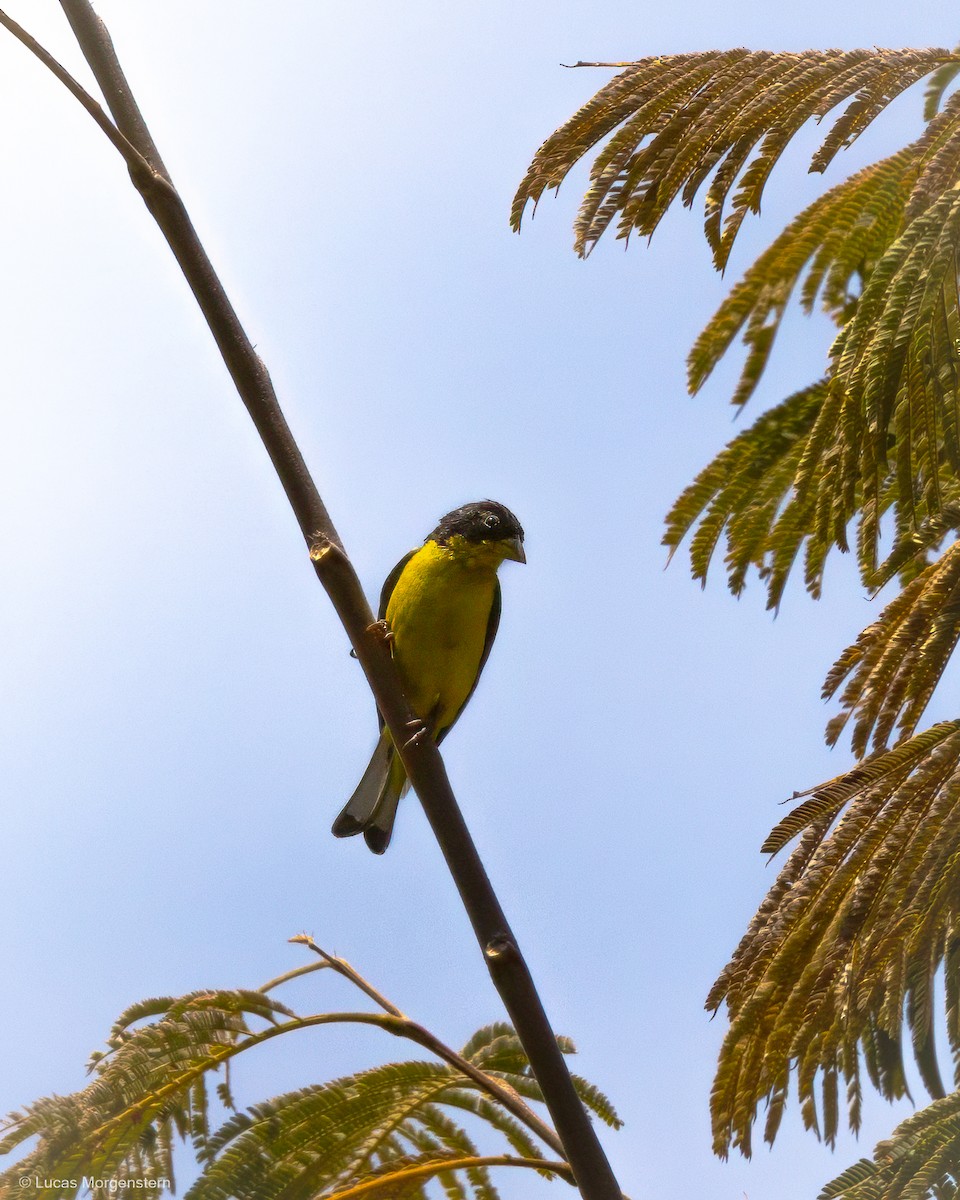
(342, 967)
(405, 1027)
(422, 761)
(97, 46)
(134, 159)
(279, 980)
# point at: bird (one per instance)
(441, 606)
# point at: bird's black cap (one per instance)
(482, 521)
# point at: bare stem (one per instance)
(581, 63)
(422, 761)
(279, 980)
(135, 160)
(500, 1091)
(342, 967)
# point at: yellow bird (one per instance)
(442, 605)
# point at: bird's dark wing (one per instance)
(493, 622)
(391, 582)
(386, 592)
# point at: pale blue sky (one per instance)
(181, 720)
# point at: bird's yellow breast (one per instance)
(438, 613)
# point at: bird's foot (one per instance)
(419, 730)
(380, 629)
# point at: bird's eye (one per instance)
(491, 520)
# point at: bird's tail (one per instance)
(372, 808)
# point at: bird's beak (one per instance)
(513, 549)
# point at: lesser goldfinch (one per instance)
(441, 603)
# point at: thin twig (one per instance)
(500, 1091)
(134, 159)
(573, 66)
(294, 974)
(342, 967)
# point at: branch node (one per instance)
(322, 547)
(501, 948)
(150, 182)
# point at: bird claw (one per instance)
(420, 730)
(381, 631)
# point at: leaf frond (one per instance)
(893, 668)
(919, 1160)
(674, 121)
(152, 1091)
(837, 965)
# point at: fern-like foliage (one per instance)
(836, 970)
(838, 963)
(675, 121)
(878, 252)
(388, 1131)
(832, 245)
(749, 495)
(148, 1092)
(896, 663)
(322, 1139)
(919, 1160)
